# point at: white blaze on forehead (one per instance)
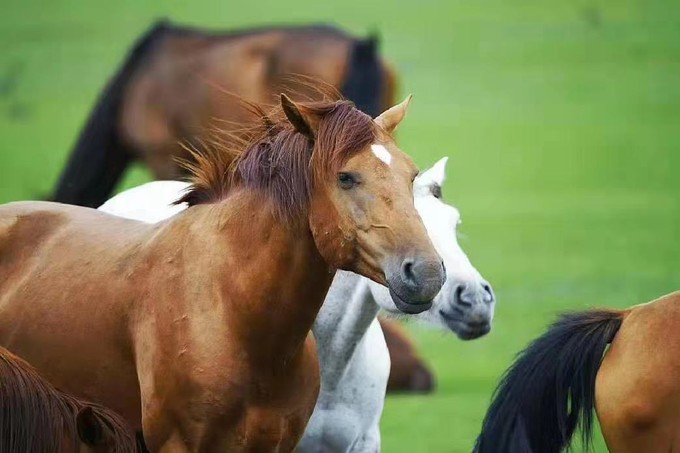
(381, 153)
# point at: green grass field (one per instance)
(562, 120)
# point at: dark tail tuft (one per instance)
(364, 81)
(99, 159)
(538, 402)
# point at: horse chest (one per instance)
(271, 429)
(292, 386)
(264, 414)
(281, 403)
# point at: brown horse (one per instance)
(35, 417)
(408, 372)
(172, 90)
(197, 329)
(562, 377)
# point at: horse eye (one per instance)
(345, 180)
(436, 190)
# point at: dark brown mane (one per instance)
(36, 417)
(278, 161)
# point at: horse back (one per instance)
(192, 83)
(46, 241)
(29, 225)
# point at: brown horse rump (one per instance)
(621, 365)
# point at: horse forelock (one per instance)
(276, 160)
(36, 417)
(345, 132)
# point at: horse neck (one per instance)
(342, 323)
(271, 275)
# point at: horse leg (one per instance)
(627, 438)
(185, 416)
(256, 430)
(182, 429)
(369, 442)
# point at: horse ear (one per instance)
(90, 430)
(302, 120)
(435, 174)
(390, 118)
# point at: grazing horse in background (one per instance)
(37, 418)
(353, 355)
(562, 376)
(408, 371)
(174, 87)
(197, 329)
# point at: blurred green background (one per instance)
(561, 118)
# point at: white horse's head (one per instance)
(466, 302)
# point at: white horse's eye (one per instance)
(436, 190)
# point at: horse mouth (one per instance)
(409, 307)
(465, 330)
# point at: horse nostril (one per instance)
(420, 278)
(444, 269)
(407, 272)
(488, 296)
(458, 296)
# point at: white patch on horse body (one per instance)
(381, 153)
(149, 203)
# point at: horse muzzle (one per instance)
(414, 283)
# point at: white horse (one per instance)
(353, 356)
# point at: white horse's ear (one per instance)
(390, 118)
(435, 174)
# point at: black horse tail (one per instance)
(99, 158)
(364, 82)
(538, 402)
